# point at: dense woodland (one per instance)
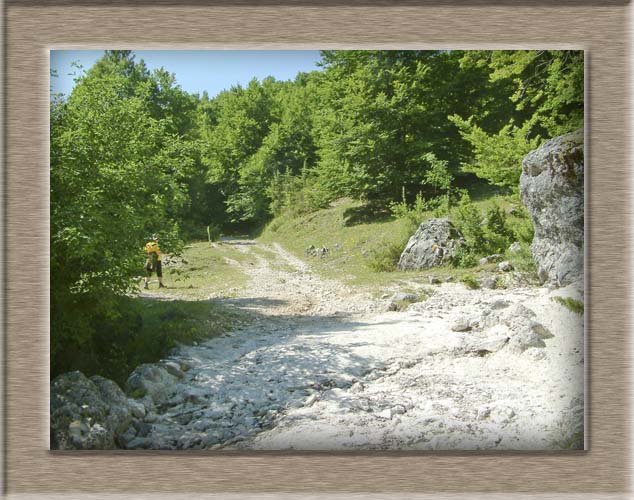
(133, 154)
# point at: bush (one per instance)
(470, 282)
(414, 214)
(386, 257)
(484, 233)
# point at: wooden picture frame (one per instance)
(35, 27)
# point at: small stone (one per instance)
(433, 280)
(386, 414)
(500, 304)
(540, 330)
(173, 369)
(490, 283)
(404, 297)
(515, 247)
(137, 409)
(398, 410)
(483, 261)
(461, 324)
(505, 266)
(311, 400)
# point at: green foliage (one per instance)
(573, 305)
(143, 331)
(414, 214)
(548, 101)
(470, 282)
(485, 233)
(385, 257)
(497, 157)
(296, 195)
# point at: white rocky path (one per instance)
(324, 367)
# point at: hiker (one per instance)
(153, 262)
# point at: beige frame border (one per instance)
(33, 472)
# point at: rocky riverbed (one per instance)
(325, 367)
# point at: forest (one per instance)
(400, 132)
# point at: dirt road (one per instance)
(327, 367)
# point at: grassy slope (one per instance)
(351, 242)
(206, 270)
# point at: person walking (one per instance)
(153, 262)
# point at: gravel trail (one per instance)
(323, 366)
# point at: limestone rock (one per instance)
(434, 243)
(150, 381)
(505, 266)
(551, 187)
(87, 414)
(515, 247)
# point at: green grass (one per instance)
(470, 282)
(206, 271)
(573, 305)
(364, 246)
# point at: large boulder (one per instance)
(433, 243)
(87, 414)
(551, 187)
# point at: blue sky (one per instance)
(196, 70)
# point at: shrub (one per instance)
(413, 214)
(385, 258)
(573, 305)
(470, 282)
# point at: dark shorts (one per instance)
(157, 268)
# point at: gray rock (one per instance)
(173, 368)
(137, 408)
(434, 243)
(491, 282)
(404, 297)
(551, 188)
(142, 428)
(386, 414)
(540, 330)
(490, 258)
(461, 324)
(119, 416)
(490, 345)
(500, 304)
(505, 266)
(128, 436)
(515, 247)
(433, 280)
(151, 381)
(87, 414)
(525, 339)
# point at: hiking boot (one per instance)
(161, 285)
(146, 286)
